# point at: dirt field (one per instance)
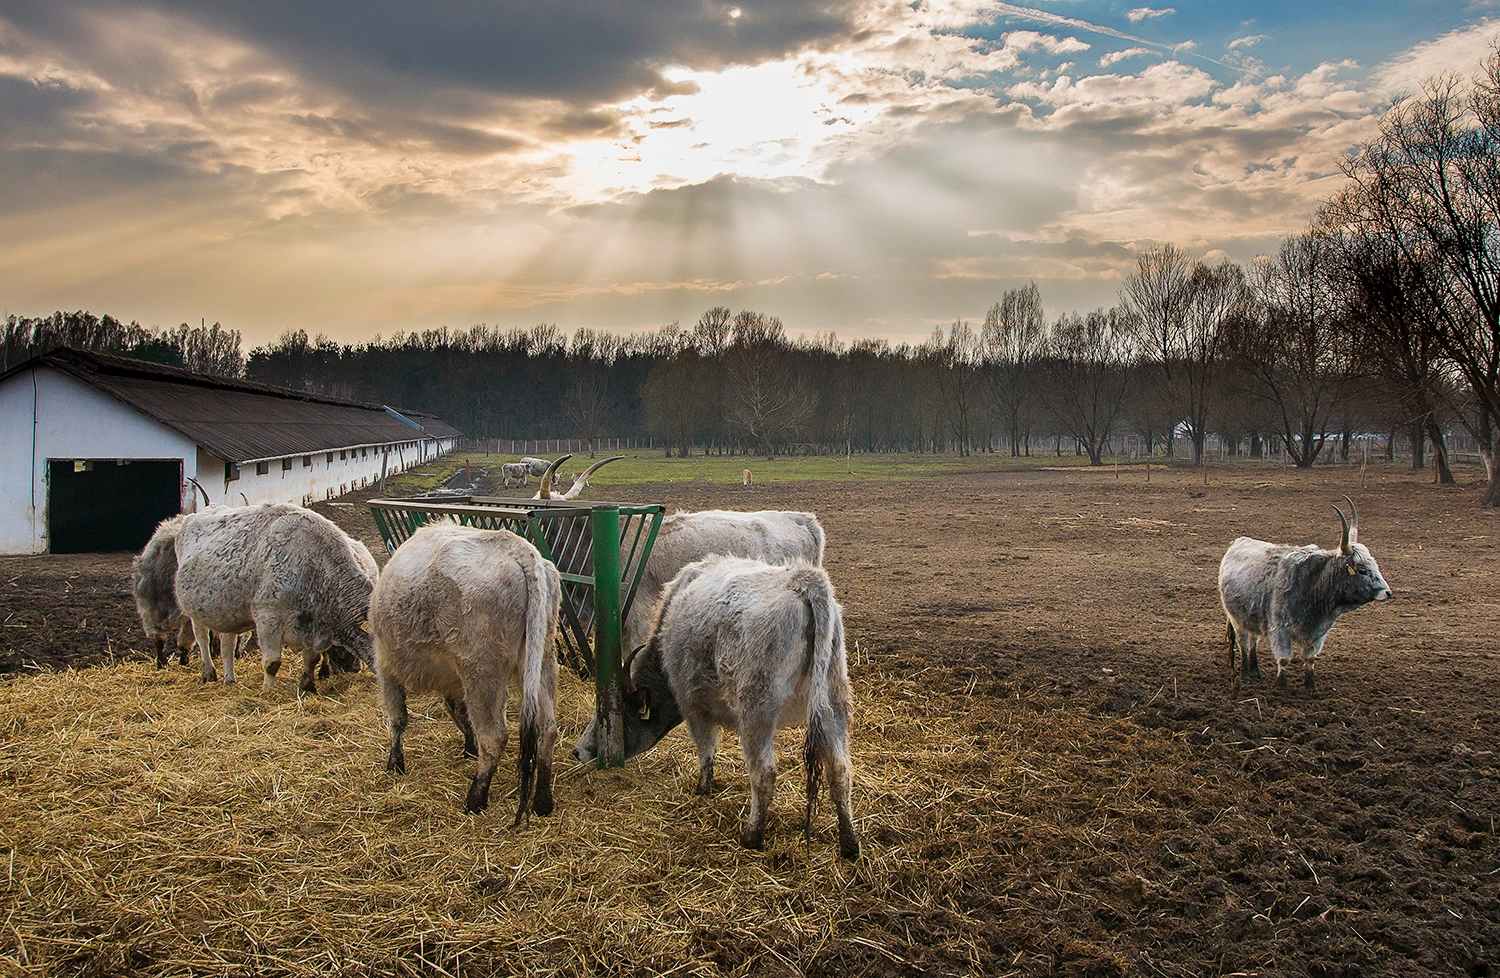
(1055, 775)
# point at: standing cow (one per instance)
(748, 646)
(288, 573)
(1293, 595)
(462, 612)
(154, 584)
(774, 536)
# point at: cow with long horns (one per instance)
(1293, 595)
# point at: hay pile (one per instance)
(156, 826)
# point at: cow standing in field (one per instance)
(514, 473)
(1293, 595)
(774, 536)
(286, 572)
(748, 646)
(462, 612)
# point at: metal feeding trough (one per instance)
(600, 551)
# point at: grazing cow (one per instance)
(462, 612)
(153, 581)
(774, 536)
(514, 473)
(288, 573)
(1293, 595)
(749, 646)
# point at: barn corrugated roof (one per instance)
(239, 420)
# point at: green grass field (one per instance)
(646, 466)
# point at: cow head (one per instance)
(651, 710)
(1359, 580)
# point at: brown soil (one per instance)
(1100, 799)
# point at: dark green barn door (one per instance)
(102, 505)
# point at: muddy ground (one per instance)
(1182, 828)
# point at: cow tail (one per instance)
(824, 630)
(538, 616)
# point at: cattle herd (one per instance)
(735, 625)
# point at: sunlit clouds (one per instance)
(868, 168)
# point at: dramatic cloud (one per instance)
(869, 167)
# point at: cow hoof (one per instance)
(706, 789)
(307, 686)
(753, 840)
(542, 804)
(182, 658)
(849, 849)
(478, 800)
(396, 765)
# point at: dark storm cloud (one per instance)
(583, 52)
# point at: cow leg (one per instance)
(393, 705)
(161, 652)
(705, 735)
(268, 633)
(306, 684)
(835, 749)
(756, 740)
(546, 718)
(485, 699)
(205, 650)
(184, 641)
(1281, 647)
(226, 656)
(460, 714)
(1309, 657)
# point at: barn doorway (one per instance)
(104, 505)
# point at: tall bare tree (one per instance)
(1013, 333)
(1430, 184)
(1085, 377)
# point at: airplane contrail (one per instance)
(1058, 20)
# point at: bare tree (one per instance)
(1085, 376)
(1013, 333)
(1430, 184)
(1286, 344)
(1180, 308)
(765, 397)
(959, 380)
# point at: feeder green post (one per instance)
(604, 521)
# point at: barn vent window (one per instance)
(330, 458)
(231, 471)
(286, 465)
(261, 468)
(343, 456)
(307, 461)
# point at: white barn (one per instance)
(98, 449)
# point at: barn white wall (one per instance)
(72, 421)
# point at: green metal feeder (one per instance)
(600, 551)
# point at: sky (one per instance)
(867, 168)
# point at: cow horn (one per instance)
(626, 682)
(583, 480)
(1344, 545)
(546, 492)
(1353, 521)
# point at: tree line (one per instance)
(1382, 316)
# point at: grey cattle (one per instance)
(514, 473)
(774, 536)
(462, 612)
(286, 572)
(749, 646)
(535, 466)
(153, 581)
(1293, 595)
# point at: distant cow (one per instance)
(748, 646)
(514, 473)
(535, 466)
(462, 612)
(1293, 595)
(774, 536)
(288, 573)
